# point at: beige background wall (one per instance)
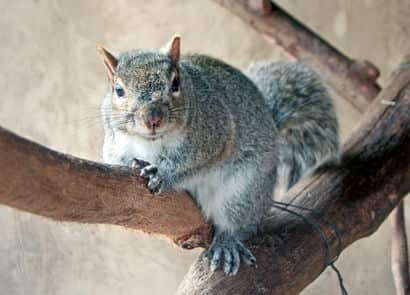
(51, 82)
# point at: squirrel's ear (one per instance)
(110, 61)
(173, 48)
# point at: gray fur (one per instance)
(225, 147)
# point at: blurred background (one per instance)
(52, 82)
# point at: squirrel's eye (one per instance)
(175, 85)
(119, 90)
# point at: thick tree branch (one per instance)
(356, 197)
(44, 182)
(353, 80)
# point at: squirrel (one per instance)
(194, 123)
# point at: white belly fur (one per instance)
(129, 146)
(137, 147)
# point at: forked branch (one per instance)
(354, 197)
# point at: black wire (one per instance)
(324, 218)
(340, 278)
(279, 205)
(315, 226)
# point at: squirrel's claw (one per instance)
(150, 173)
(154, 181)
(228, 252)
(138, 165)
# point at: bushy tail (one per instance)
(304, 113)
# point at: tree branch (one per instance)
(353, 80)
(399, 251)
(44, 182)
(356, 196)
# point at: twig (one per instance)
(399, 251)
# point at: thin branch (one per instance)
(399, 252)
(353, 80)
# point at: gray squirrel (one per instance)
(193, 123)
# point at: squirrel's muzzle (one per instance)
(153, 118)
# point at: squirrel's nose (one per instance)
(153, 118)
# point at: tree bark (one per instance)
(355, 198)
(353, 80)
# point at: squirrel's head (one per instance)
(147, 97)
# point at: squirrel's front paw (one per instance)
(229, 252)
(154, 182)
(138, 165)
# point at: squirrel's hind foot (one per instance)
(227, 251)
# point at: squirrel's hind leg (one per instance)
(242, 214)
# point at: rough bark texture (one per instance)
(44, 182)
(355, 197)
(353, 80)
